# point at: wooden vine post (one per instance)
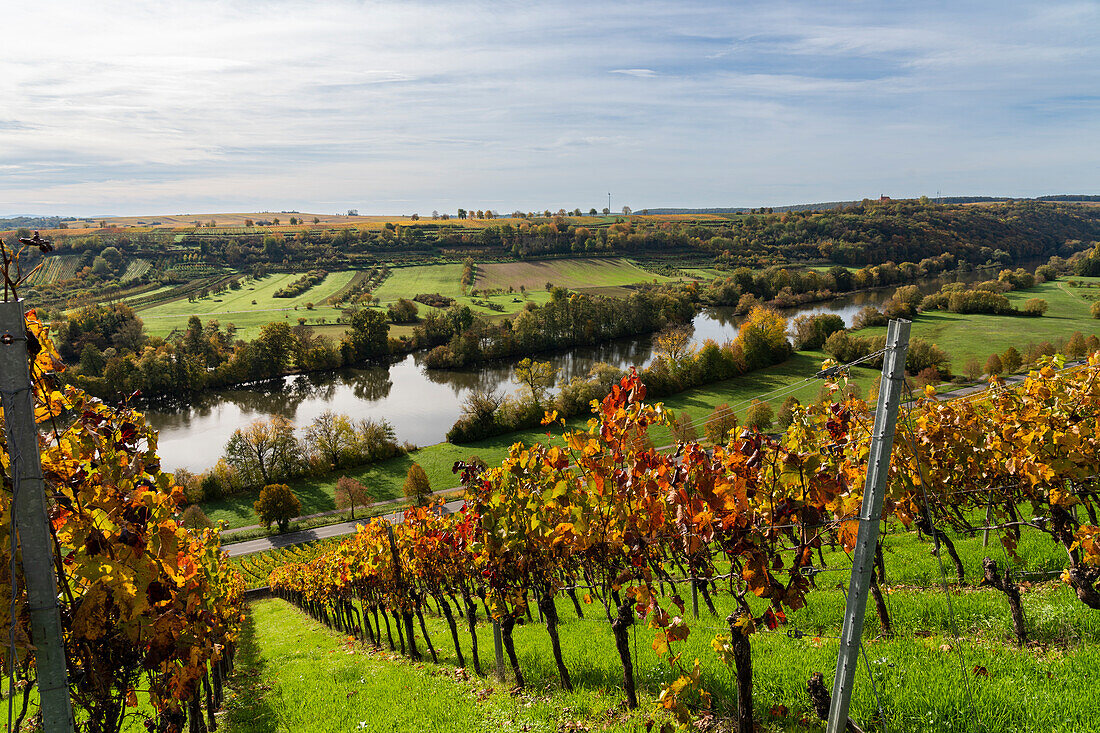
(405, 614)
(30, 521)
(863, 556)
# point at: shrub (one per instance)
(973, 370)
(934, 302)
(1011, 360)
(417, 487)
(351, 493)
(811, 331)
(683, 429)
(979, 301)
(434, 300)
(719, 424)
(1094, 309)
(210, 487)
(478, 419)
(759, 416)
(403, 311)
(845, 347)
(786, 412)
(1034, 307)
(923, 354)
(1045, 273)
(1076, 346)
(195, 518)
(278, 504)
(927, 377)
(993, 365)
(869, 316)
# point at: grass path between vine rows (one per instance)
(296, 675)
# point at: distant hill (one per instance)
(828, 205)
(31, 222)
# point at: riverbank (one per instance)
(774, 384)
(422, 404)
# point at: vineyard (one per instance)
(56, 269)
(750, 530)
(150, 612)
(256, 568)
(136, 268)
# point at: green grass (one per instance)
(924, 676)
(236, 307)
(385, 479)
(406, 282)
(978, 335)
(567, 273)
(295, 676)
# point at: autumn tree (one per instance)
(719, 424)
(263, 451)
(763, 338)
(332, 435)
(278, 504)
(973, 369)
(759, 416)
(417, 487)
(351, 493)
(366, 336)
(536, 377)
(673, 346)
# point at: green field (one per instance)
(295, 674)
(408, 282)
(566, 273)
(236, 306)
(978, 335)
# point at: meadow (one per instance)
(976, 335)
(596, 276)
(408, 282)
(926, 678)
(251, 307)
(574, 274)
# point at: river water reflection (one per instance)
(421, 404)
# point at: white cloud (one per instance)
(635, 72)
(138, 107)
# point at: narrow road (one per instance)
(317, 533)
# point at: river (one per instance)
(422, 404)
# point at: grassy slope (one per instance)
(978, 335)
(408, 282)
(568, 273)
(235, 306)
(918, 676)
(296, 675)
(386, 478)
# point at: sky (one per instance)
(131, 108)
